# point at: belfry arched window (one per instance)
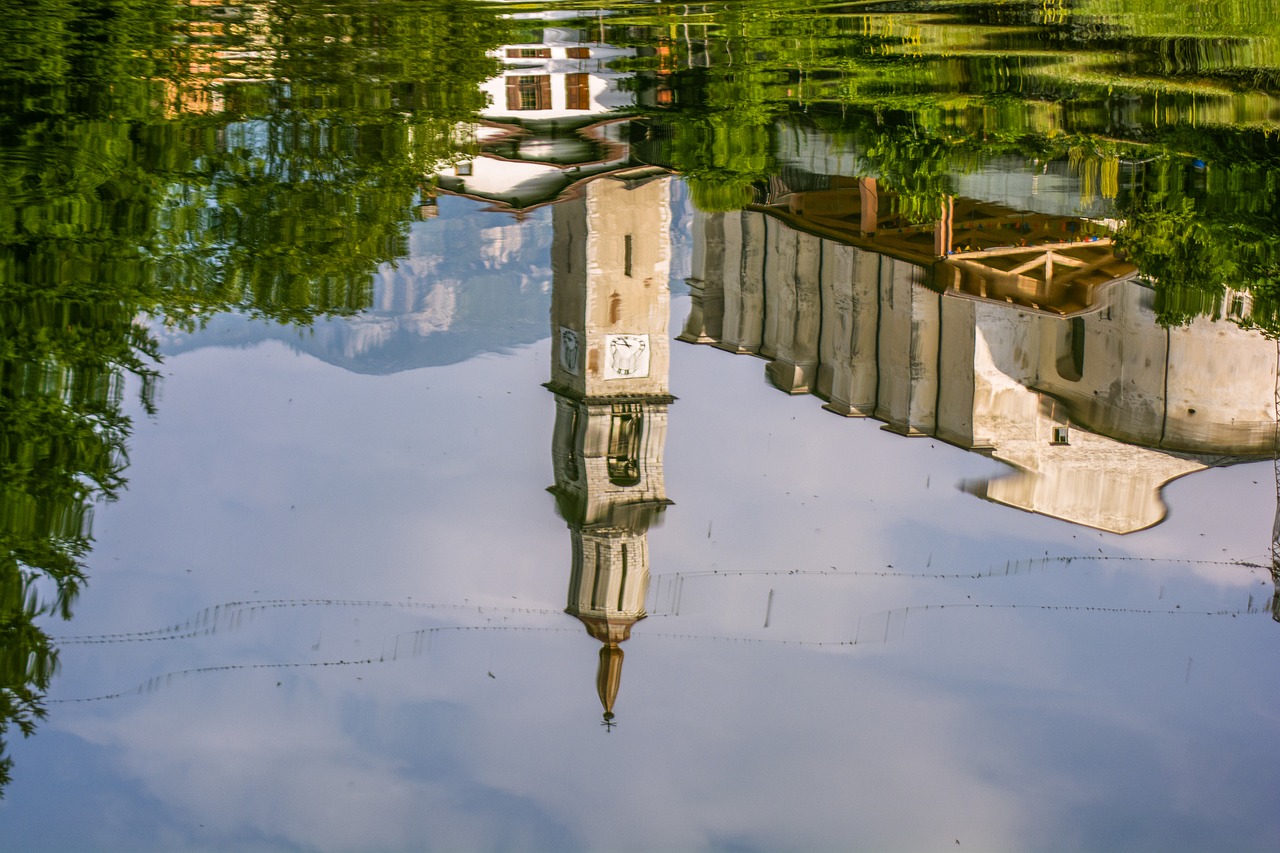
(626, 426)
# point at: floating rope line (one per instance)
(888, 617)
(673, 582)
(1016, 566)
(420, 643)
(207, 620)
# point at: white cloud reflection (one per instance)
(985, 726)
(1010, 727)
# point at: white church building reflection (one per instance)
(557, 117)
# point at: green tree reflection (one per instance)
(74, 221)
(1206, 227)
(1172, 124)
(161, 159)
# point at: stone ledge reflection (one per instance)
(1096, 411)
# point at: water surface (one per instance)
(456, 426)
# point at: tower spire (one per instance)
(608, 677)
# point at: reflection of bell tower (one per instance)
(609, 364)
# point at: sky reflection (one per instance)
(1067, 705)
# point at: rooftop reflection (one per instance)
(1046, 263)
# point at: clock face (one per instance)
(626, 356)
(570, 351)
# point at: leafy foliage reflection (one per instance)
(166, 160)
(1172, 125)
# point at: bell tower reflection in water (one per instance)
(609, 365)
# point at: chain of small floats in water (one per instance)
(206, 622)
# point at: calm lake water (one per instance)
(789, 426)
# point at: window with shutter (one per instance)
(577, 90)
(529, 92)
